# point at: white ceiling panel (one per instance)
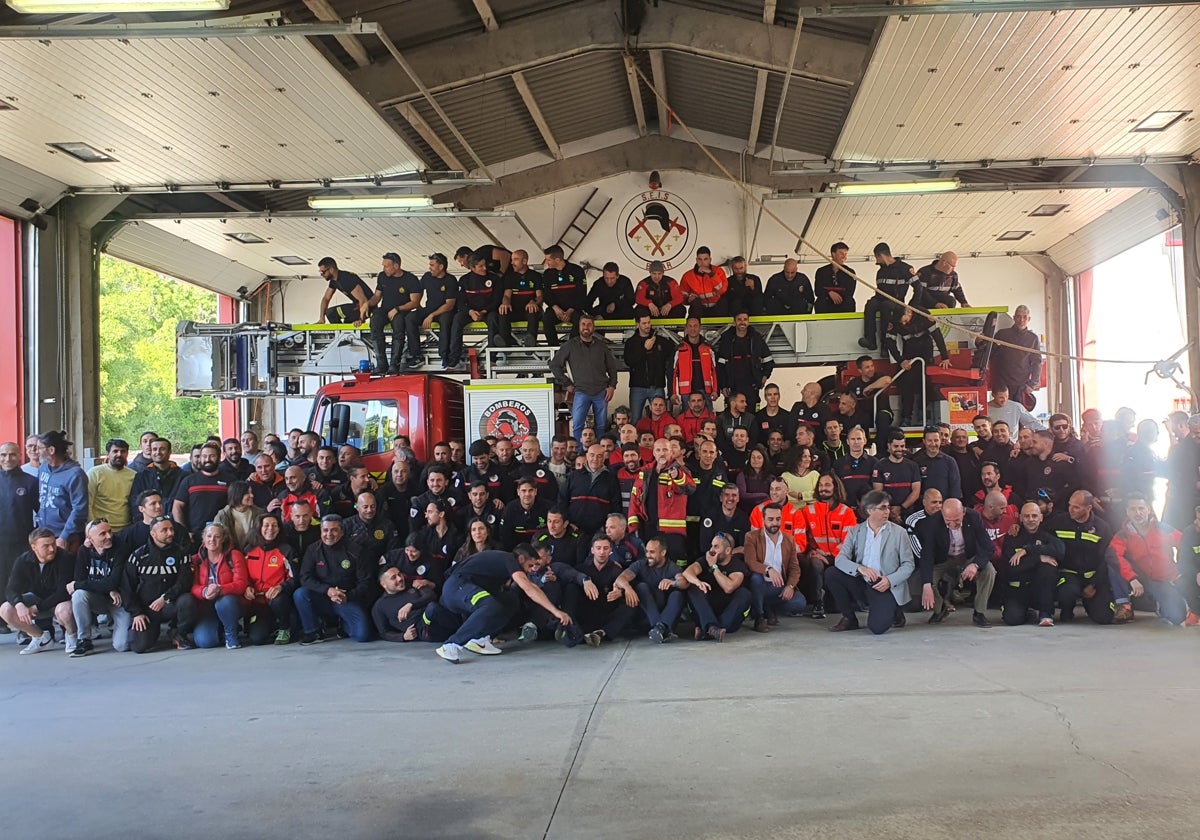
(356, 244)
(1130, 223)
(962, 222)
(164, 252)
(1035, 84)
(18, 183)
(190, 110)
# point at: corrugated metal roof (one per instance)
(582, 96)
(960, 222)
(711, 95)
(812, 117)
(1113, 232)
(191, 110)
(492, 118)
(1065, 84)
(412, 22)
(357, 244)
(160, 250)
(18, 183)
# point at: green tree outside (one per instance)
(138, 313)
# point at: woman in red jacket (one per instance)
(218, 589)
(269, 607)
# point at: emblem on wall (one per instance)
(510, 419)
(658, 225)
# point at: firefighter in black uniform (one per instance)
(1084, 570)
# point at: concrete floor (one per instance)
(925, 733)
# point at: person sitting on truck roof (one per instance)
(349, 284)
(480, 296)
(564, 287)
(397, 293)
(440, 292)
(522, 299)
(611, 296)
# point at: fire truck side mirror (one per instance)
(339, 424)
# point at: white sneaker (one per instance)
(449, 652)
(38, 644)
(483, 646)
(72, 641)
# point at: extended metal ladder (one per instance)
(579, 227)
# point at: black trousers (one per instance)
(531, 319)
(180, 616)
(262, 620)
(849, 590)
(1018, 597)
(550, 325)
(1069, 590)
(613, 617)
(878, 312)
(379, 338)
(445, 322)
(343, 313)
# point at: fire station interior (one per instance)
(234, 148)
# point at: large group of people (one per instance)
(647, 525)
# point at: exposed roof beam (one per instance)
(575, 29)
(353, 47)
(635, 92)
(314, 214)
(230, 202)
(637, 155)
(485, 13)
(978, 7)
(658, 72)
(253, 27)
(760, 96)
(429, 135)
(783, 93)
(535, 112)
(769, 11)
(932, 167)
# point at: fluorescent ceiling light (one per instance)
(1013, 235)
(1048, 210)
(50, 7)
(898, 188)
(369, 202)
(1160, 120)
(291, 260)
(246, 238)
(83, 152)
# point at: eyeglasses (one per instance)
(94, 523)
(883, 506)
(929, 429)
(1061, 427)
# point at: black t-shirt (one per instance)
(438, 290)
(652, 576)
(396, 291)
(603, 578)
(783, 422)
(735, 564)
(814, 416)
(487, 569)
(855, 474)
(205, 496)
(346, 282)
(523, 288)
(897, 479)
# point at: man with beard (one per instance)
(774, 571)
(202, 494)
(157, 591)
(820, 527)
(109, 485)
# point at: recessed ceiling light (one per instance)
(1048, 210)
(1160, 120)
(246, 238)
(291, 260)
(83, 152)
(1013, 235)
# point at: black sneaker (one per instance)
(818, 611)
(312, 639)
(4, 629)
(82, 648)
(183, 642)
(980, 620)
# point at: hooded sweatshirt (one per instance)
(62, 498)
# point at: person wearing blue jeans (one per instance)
(474, 594)
(718, 590)
(774, 570)
(335, 580)
(1144, 551)
(218, 622)
(648, 357)
(593, 376)
(655, 583)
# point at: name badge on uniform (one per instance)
(379, 533)
(346, 564)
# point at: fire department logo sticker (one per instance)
(511, 419)
(657, 225)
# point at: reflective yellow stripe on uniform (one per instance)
(1095, 538)
(1065, 535)
(668, 523)
(479, 596)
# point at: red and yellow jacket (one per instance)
(707, 287)
(823, 528)
(267, 568)
(681, 379)
(658, 501)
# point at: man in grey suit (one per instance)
(874, 565)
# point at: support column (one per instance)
(12, 335)
(64, 313)
(227, 411)
(1189, 219)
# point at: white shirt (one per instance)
(957, 546)
(872, 549)
(773, 553)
